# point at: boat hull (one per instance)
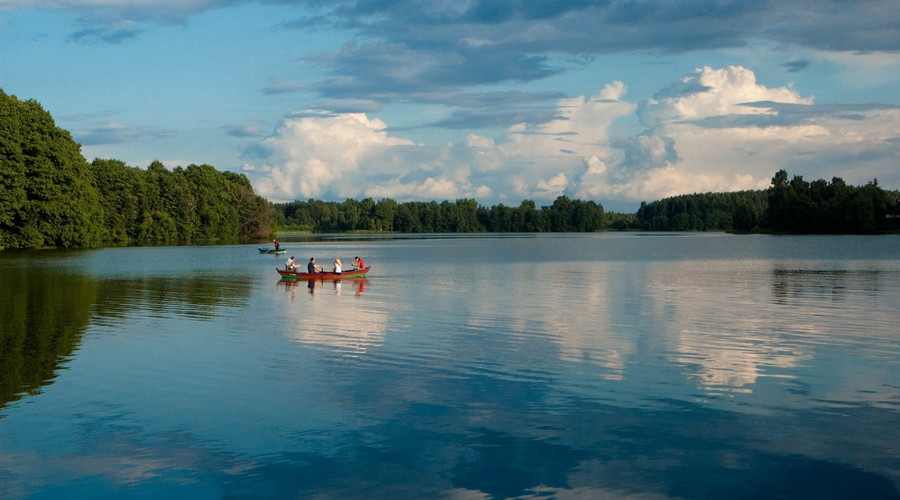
(328, 275)
(272, 251)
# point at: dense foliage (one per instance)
(786, 207)
(798, 206)
(739, 211)
(184, 204)
(51, 197)
(461, 216)
(794, 206)
(47, 194)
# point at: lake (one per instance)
(610, 365)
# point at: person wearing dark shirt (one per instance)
(312, 267)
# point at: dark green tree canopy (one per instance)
(464, 215)
(47, 194)
(51, 197)
(790, 205)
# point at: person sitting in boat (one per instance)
(358, 263)
(337, 266)
(312, 267)
(290, 265)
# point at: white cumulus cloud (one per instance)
(319, 154)
(714, 92)
(728, 133)
(714, 130)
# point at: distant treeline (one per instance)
(51, 197)
(794, 206)
(461, 216)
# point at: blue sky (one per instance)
(618, 101)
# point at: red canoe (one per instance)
(325, 275)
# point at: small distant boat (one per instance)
(272, 251)
(325, 275)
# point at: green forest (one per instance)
(461, 216)
(50, 196)
(792, 206)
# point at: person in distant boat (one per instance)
(290, 265)
(312, 267)
(358, 263)
(337, 266)
(276, 244)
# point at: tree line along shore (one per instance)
(50, 196)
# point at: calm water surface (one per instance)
(553, 366)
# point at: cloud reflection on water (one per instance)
(319, 317)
